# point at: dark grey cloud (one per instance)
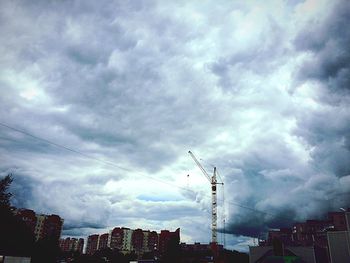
(255, 224)
(324, 132)
(327, 130)
(328, 42)
(98, 86)
(78, 225)
(329, 137)
(140, 83)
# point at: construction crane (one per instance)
(213, 182)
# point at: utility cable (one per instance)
(132, 170)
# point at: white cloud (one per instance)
(140, 83)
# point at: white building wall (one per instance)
(127, 246)
(145, 241)
(39, 226)
(109, 238)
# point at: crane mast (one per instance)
(214, 216)
(213, 182)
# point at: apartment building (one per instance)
(42, 226)
(127, 240)
(72, 245)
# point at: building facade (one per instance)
(127, 240)
(166, 237)
(92, 244)
(116, 238)
(103, 241)
(127, 245)
(42, 226)
(150, 241)
(138, 241)
(72, 245)
(320, 241)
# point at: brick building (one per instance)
(319, 241)
(72, 245)
(310, 232)
(92, 244)
(137, 240)
(150, 241)
(116, 238)
(340, 220)
(127, 240)
(165, 237)
(103, 241)
(283, 234)
(28, 216)
(42, 226)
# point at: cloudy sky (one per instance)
(260, 89)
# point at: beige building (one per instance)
(127, 240)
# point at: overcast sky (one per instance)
(260, 89)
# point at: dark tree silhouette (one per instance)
(235, 256)
(148, 255)
(45, 250)
(4, 195)
(105, 255)
(15, 237)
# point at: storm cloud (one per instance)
(261, 90)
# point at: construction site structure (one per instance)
(213, 181)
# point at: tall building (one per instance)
(152, 241)
(116, 238)
(51, 227)
(103, 241)
(121, 239)
(340, 220)
(28, 216)
(42, 226)
(320, 241)
(137, 241)
(145, 240)
(72, 245)
(92, 244)
(79, 246)
(65, 244)
(166, 237)
(309, 232)
(127, 240)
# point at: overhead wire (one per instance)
(88, 156)
(131, 170)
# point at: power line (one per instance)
(88, 156)
(130, 170)
(64, 147)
